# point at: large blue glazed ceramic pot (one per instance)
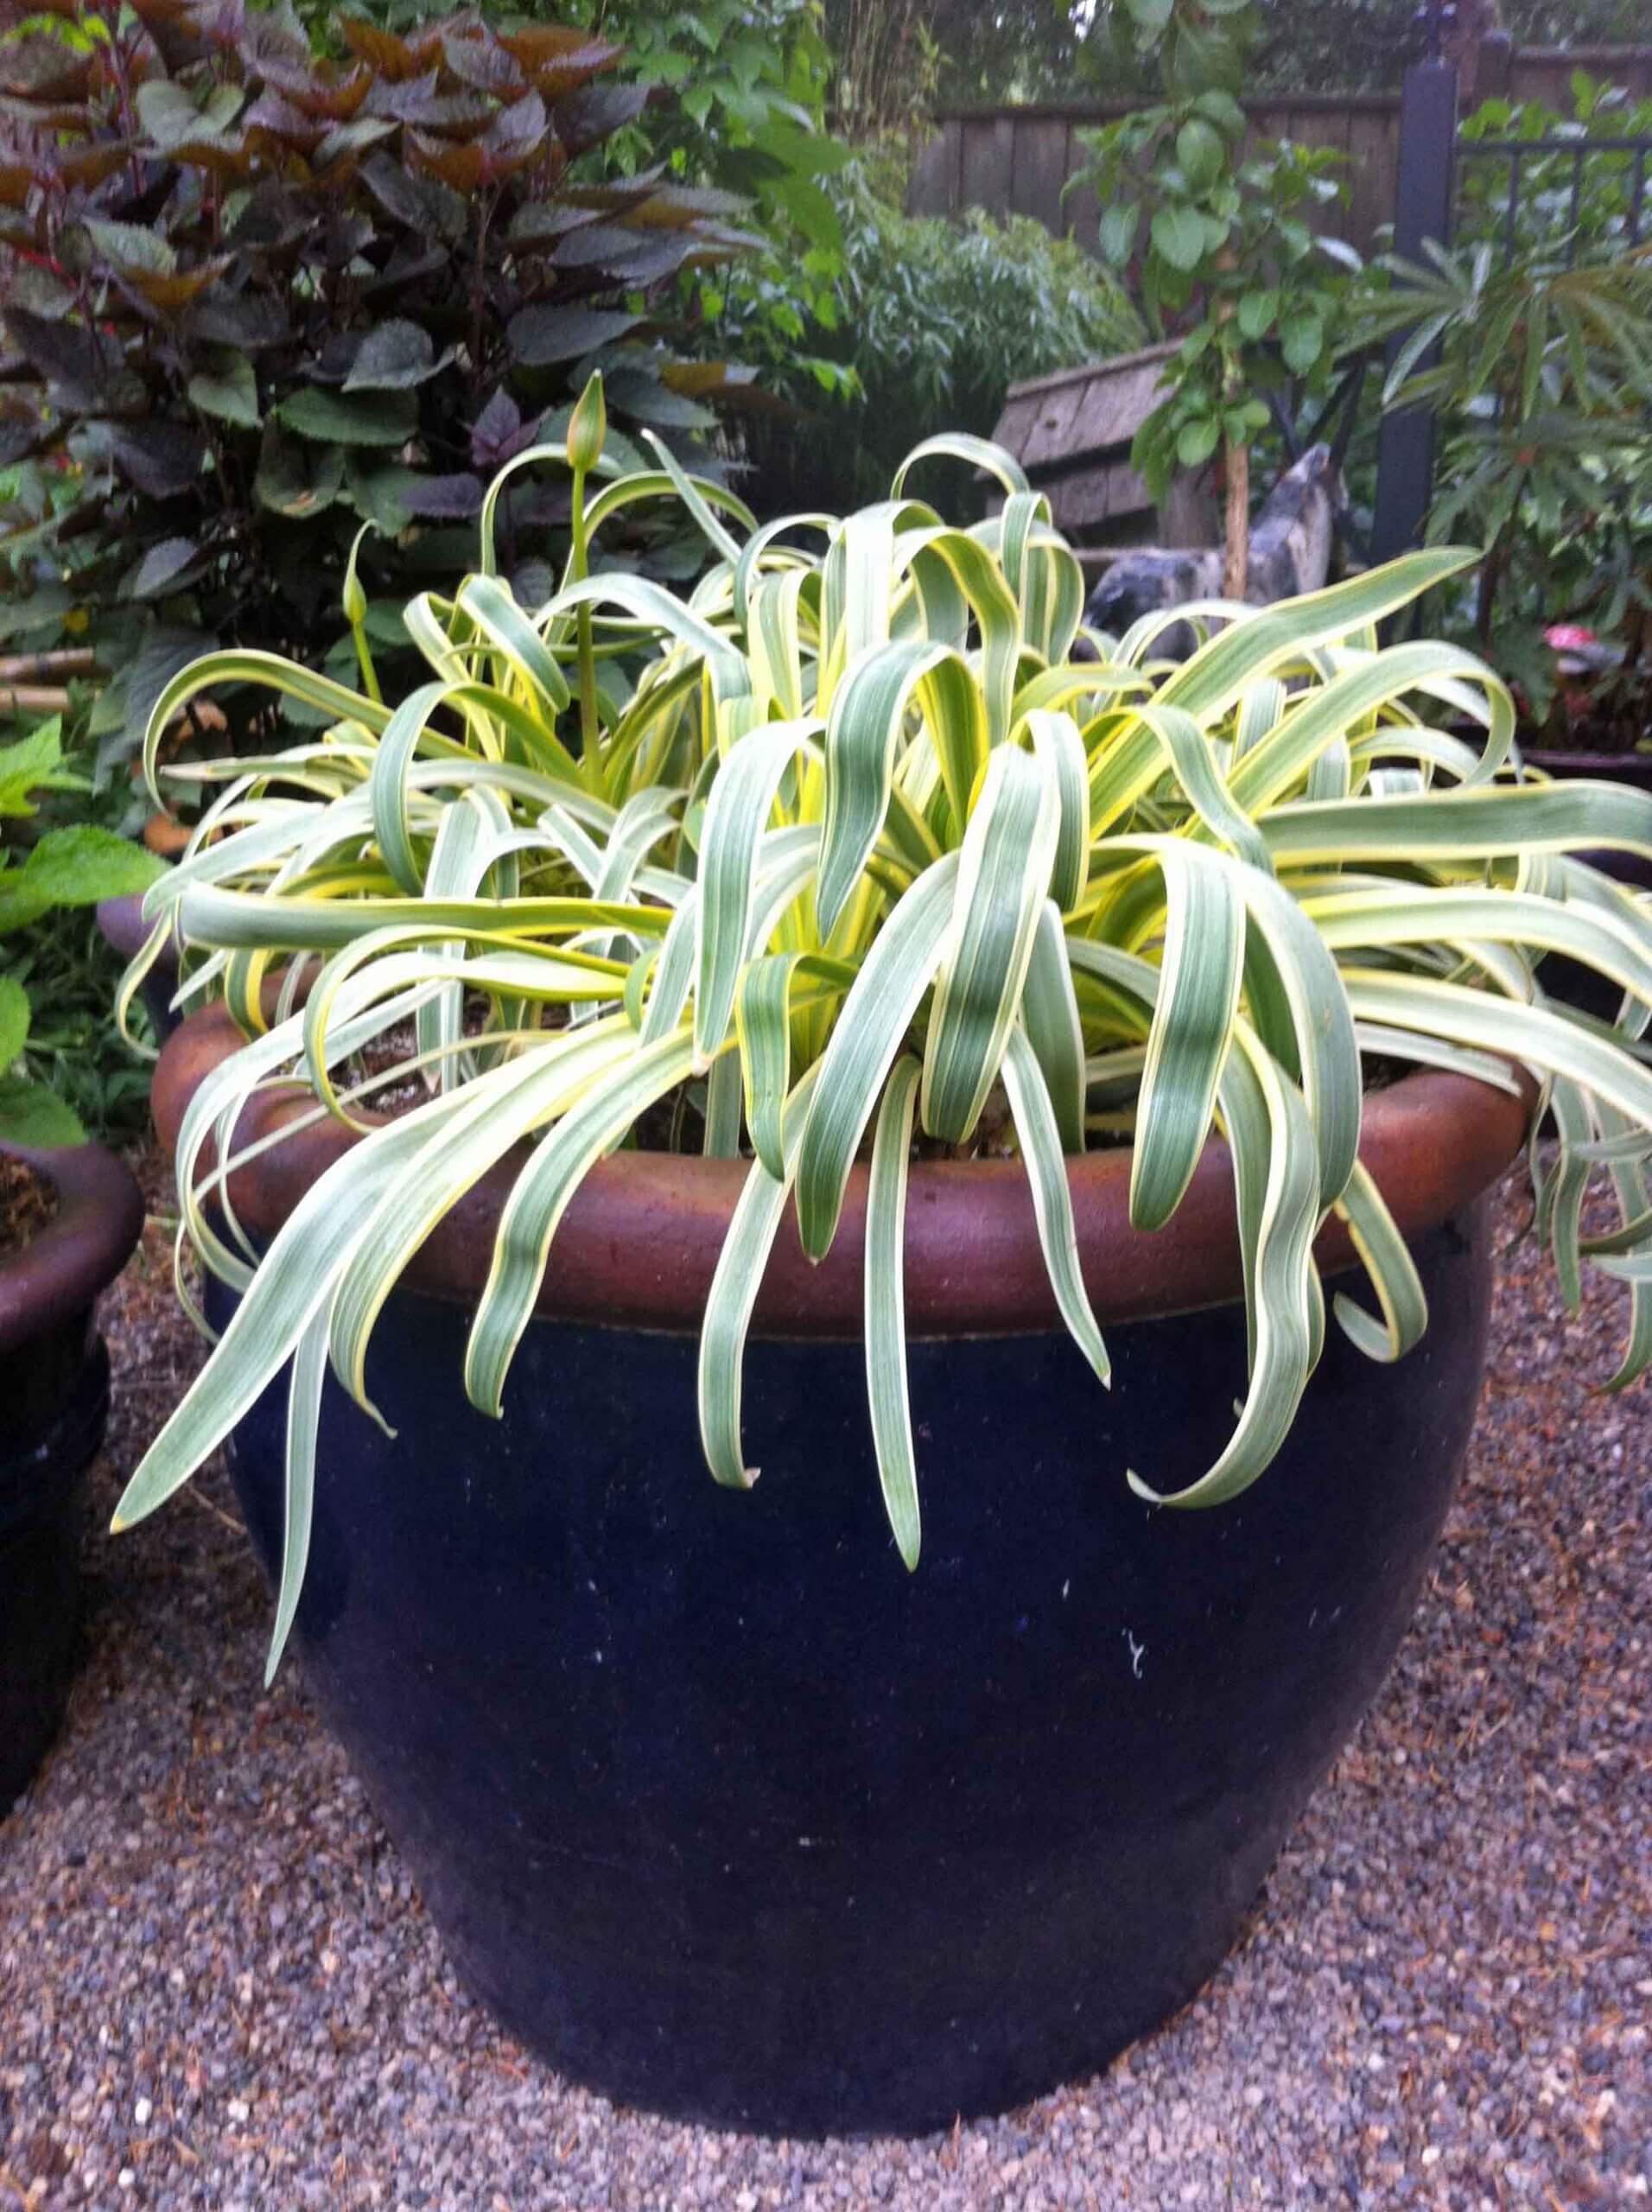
(722, 1811)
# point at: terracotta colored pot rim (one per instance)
(639, 1242)
(99, 1220)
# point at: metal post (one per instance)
(1423, 209)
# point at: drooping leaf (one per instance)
(228, 392)
(335, 418)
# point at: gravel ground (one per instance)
(218, 1988)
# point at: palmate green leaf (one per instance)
(1003, 879)
(884, 1275)
(15, 1014)
(32, 1115)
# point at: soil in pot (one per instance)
(28, 1202)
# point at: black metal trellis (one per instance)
(1431, 160)
(1579, 152)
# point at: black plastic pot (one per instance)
(720, 1809)
(54, 1391)
(1570, 981)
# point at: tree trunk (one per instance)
(1238, 522)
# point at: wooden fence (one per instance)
(1017, 160)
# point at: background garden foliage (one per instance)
(282, 287)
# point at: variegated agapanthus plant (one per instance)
(848, 845)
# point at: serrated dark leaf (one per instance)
(163, 652)
(407, 265)
(595, 112)
(493, 429)
(161, 569)
(19, 438)
(445, 498)
(637, 259)
(40, 67)
(478, 60)
(515, 138)
(321, 90)
(366, 418)
(38, 292)
(296, 480)
(227, 390)
(540, 336)
(250, 322)
(161, 460)
(532, 583)
(636, 393)
(459, 166)
(423, 203)
(538, 224)
(281, 119)
(69, 353)
(381, 50)
(347, 142)
(394, 357)
(273, 215)
(406, 102)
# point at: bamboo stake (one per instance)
(34, 668)
(33, 699)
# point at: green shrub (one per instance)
(1532, 345)
(61, 1065)
(256, 302)
(932, 321)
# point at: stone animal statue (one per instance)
(1291, 543)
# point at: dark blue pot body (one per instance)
(54, 1404)
(727, 1814)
